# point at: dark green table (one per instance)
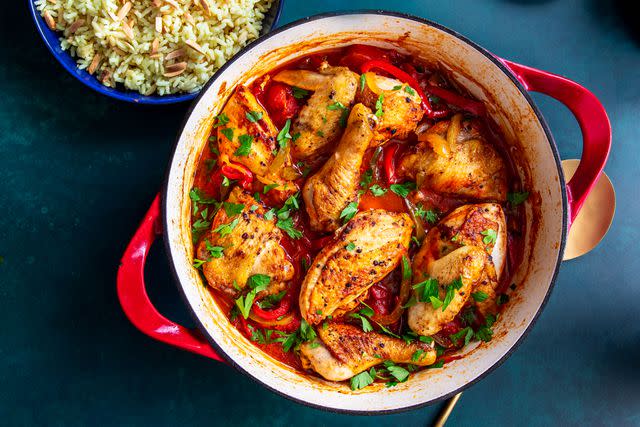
(78, 170)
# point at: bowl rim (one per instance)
(556, 157)
(52, 40)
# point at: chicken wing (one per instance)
(257, 154)
(400, 111)
(343, 351)
(465, 166)
(368, 248)
(471, 240)
(249, 245)
(334, 89)
(335, 185)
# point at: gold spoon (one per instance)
(587, 230)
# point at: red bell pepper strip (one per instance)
(244, 327)
(281, 310)
(389, 165)
(238, 172)
(466, 104)
(402, 76)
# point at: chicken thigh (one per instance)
(368, 248)
(235, 129)
(454, 159)
(335, 185)
(470, 243)
(400, 107)
(319, 121)
(343, 351)
(242, 245)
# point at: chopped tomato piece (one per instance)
(280, 103)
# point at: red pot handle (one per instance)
(133, 295)
(593, 121)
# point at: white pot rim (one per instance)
(556, 157)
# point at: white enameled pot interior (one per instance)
(528, 143)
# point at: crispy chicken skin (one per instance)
(466, 263)
(471, 169)
(252, 247)
(456, 247)
(401, 109)
(337, 275)
(343, 351)
(319, 126)
(263, 132)
(335, 185)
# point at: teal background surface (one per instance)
(78, 171)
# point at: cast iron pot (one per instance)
(504, 87)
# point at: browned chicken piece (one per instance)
(251, 245)
(334, 89)
(457, 161)
(401, 107)
(364, 251)
(479, 227)
(335, 185)
(465, 264)
(262, 132)
(343, 351)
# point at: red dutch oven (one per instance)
(504, 87)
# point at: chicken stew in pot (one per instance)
(357, 215)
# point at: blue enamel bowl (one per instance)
(51, 39)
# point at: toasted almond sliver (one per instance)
(94, 64)
(205, 6)
(174, 54)
(124, 10)
(154, 47)
(173, 73)
(158, 24)
(76, 24)
(51, 23)
(119, 51)
(157, 3)
(178, 66)
(173, 4)
(127, 30)
(195, 46)
(105, 75)
(189, 18)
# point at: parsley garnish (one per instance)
(349, 211)
(426, 290)
(221, 120)
(403, 190)
(257, 283)
(479, 296)
(225, 229)
(467, 333)
(397, 87)
(228, 132)
(366, 179)
(232, 209)
(406, 268)
(299, 93)
(336, 106)
(283, 135)
(253, 116)
(268, 188)
(490, 236)
(363, 80)
(350, 246)
(320, 133)
(214, 251)
(197, 263)
(453, 286)
(517, 198)
(379, 102)
(245, 146)
(286, 225)
(377, 191)
(363, 379)
(502, 299)
(409, 90)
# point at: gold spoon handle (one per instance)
(446, 411)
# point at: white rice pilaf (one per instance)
(154, 46)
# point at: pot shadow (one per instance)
(529, 2)
(616, 15)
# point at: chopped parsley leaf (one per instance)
(479, 296)
(245, 146)
(268, 188)
(406, 268)
(426, 290)
(228, 132)
(397, 87)
(197, 263)
(286, 225)
(253, 116)
(299, 93)
(409, 90)
(377, 191)
(214, 251)
(349, 211)
(221, 120)
(361, 380)
(466, 333)
(350, 246)
(366, 179)
(283, 135)
(403, 190)
(225, 229)
(232, 209)
(363, 80)
(517, 198)
(379, 102)
(490, 236)
(336, 106)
